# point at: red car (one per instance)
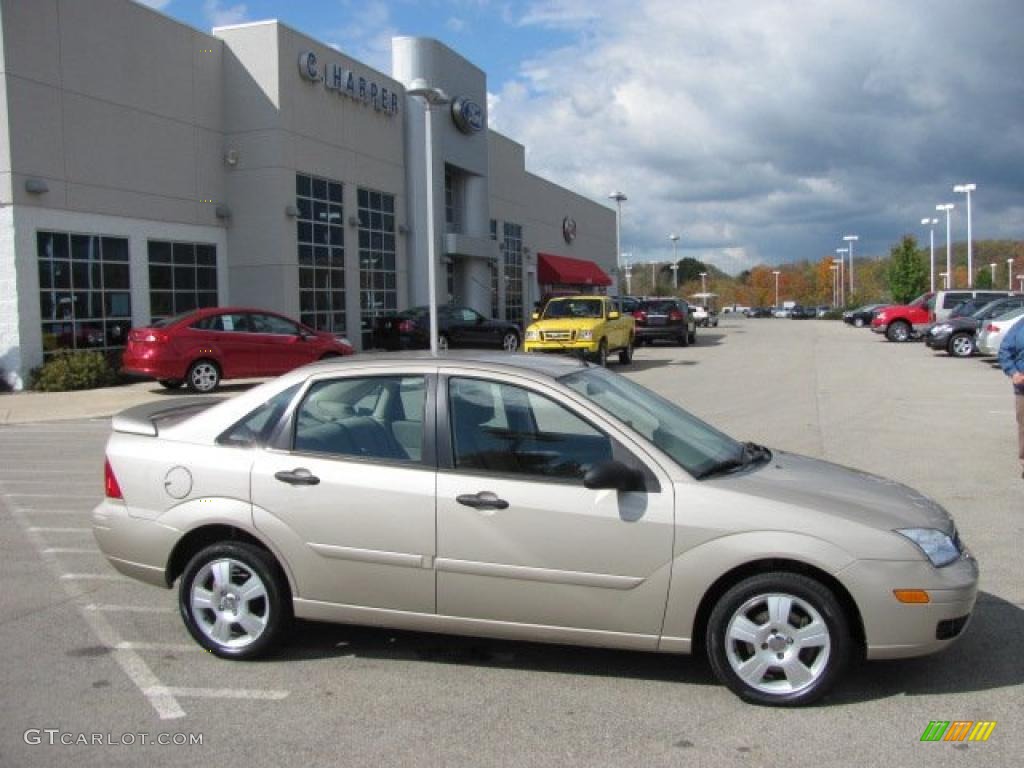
(901, 322)
(202, 347)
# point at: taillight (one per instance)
(110, 485)
(148, 335)
(640, 315)
(406, 326)
(675, 314)
(992, 328)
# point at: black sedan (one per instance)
(956, 335)
(861, 316)
(456, 327)
(667, 319)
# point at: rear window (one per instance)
(167, 322)
(659, 306)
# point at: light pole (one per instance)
(947, 207)
(931, 239)
(1009, 274)
(842, 287)
(835, 284)
(992, 266)
(704, 285)
(675, 262)
(1020, 280)
(618, 197)
(945, 279)
(628, 271)
(776, 273)
(851, 239)
(432, 97)
(967, 189)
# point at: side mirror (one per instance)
(613, 475)
(535, 315)
(613, 315)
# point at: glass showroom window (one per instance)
(494, 274)
(453, 203)
(182, 277)
(85, 299)
(513, 273)
(378, 281)
(320, 229)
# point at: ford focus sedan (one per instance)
(524, 497)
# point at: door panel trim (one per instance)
(368, 555)
(528, 573)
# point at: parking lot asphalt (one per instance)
(81, 645)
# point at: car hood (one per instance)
(840, 491)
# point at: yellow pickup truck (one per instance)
(588, 325)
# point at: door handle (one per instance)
(482, 500)
(299, 476)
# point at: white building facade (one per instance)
(148, 168)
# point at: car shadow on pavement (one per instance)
(644, 363)
(223, 389)
(312, 640)
(985, 658)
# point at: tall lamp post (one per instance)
(945, 279)
(967, 189)
(627, 270)
(1009, 274)
(1020, 280)
(842, 287)
(776, 273)
(835, 284)
(851, 239)
(947, 207)
(432, 97)
(992, 266)
(931, 239)
(619, 198)
(675, 262)
(704, 286)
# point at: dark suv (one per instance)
(669, 319)
(956, 335)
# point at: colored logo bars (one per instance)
(958, 730)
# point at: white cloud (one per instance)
(455, 24)
(367, 33)
(765, 130)
(220, 15)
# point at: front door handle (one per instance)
(482, 500)
(299, 476)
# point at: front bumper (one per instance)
(937, 340)
(895, 630)
(587, 347)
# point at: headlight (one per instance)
(585, 335)
(937, 546)
(532, 334)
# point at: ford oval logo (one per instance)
(467, 114)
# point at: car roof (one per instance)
(552, 366)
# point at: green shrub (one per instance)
(73, 370)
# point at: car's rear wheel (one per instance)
(234, 600)
(602, 353)
(626, 354)
(961, 345)
(898, 331)
(858, 322)
(510, 341)
(684, 339)
(779, 639)
(203, 376)
(171, 383)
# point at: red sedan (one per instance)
(202, 347)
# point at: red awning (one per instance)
(563, 270)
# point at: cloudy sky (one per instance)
(760, 131)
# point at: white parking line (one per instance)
(71, 551)
(87, 497)
(35, 511)
(127, 608)
(222, 693)
(90, 576)
(49, 529)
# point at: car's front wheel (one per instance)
(898, 331)
(961, 345)
(779, 639)
(510, 341)
(602, 353)
(858, 322)
(234, 600)
(626, 354)
(203, 376)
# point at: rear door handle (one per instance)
(299, 476)
(482, 500)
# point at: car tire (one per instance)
(442, 342)
(234, 600)
(626, 353)
(510, 342)
(692, 337)
(171, 383)
(684, 339)
(898, 331)
(780, 639)
(858, 322)
(602, 353)
(961, 345)
(203, 376)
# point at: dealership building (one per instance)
(148, 168)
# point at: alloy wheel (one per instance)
(203, 376)
(229, 603)
(510, 342)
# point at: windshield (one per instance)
(921, 300)
(574, 308)
(697, 447)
